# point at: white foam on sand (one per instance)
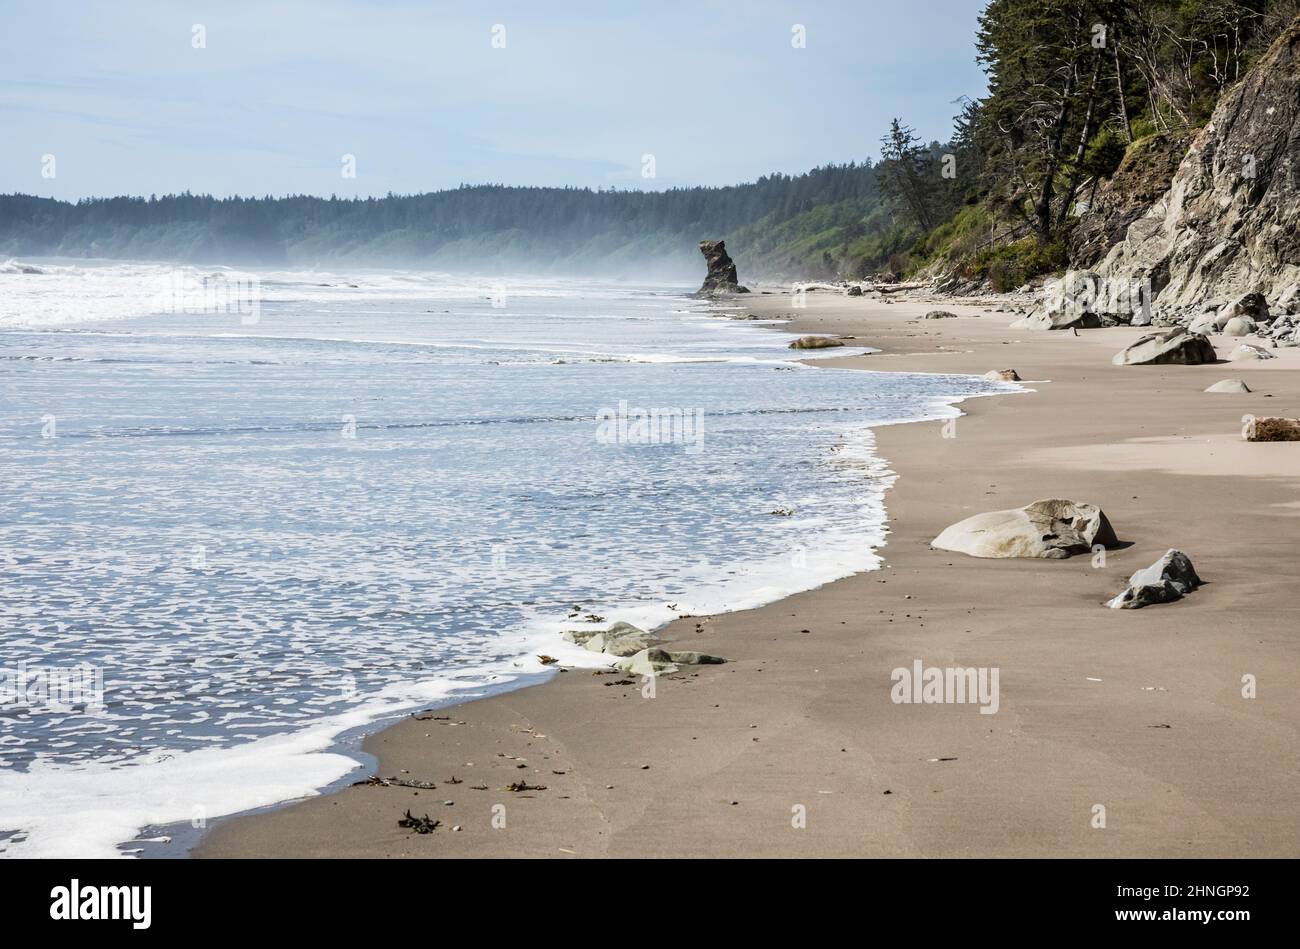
(89, 810)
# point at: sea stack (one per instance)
(721, 277)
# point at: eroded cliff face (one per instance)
(1228, 223)
(1142, 179)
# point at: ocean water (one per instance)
(243, 514)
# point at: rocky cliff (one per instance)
(1141, 180)
(1228, 223)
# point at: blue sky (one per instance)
(715, 91)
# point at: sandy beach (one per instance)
(795, 748)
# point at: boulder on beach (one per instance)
(1052, 529)
(940, 315)
(1043, 320)
(1239, 326)
(1248, 353)
(691, 658)
(1176, 347)
(1168, 579)
(1272, 429)
(1229, 385)
(621, 639)
(815, 342)
(721, 277)
(654, 662)
(1207, 323)
(1002, 375)
(1252, 305)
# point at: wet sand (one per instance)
(1140, 712)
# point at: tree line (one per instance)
(483, 227)
(1072, 84)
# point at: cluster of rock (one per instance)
(1084, 300)
(1056, 529)
(635, 651)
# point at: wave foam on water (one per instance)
(366, 558)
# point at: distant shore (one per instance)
(795, 747)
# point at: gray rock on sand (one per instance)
(1207, 323)
(1058, 321)
(653, 662)
(815, 342)
(940, 315)
(1229, 385)
(1273, 429)
(621, 639)
(1052, 529)
(691, 658)
(1002, 375)
(1240, 326)
(1176, 347)
(1248, 353)
(1168, 579)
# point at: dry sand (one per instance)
(1139, 711)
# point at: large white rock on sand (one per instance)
(1052, 529)
(1002, 375)
(1233, 386)
(1248, 353)
(1057, 321)
(1240, 326)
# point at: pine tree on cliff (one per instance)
(906, 173)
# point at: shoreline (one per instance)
(628, 776)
